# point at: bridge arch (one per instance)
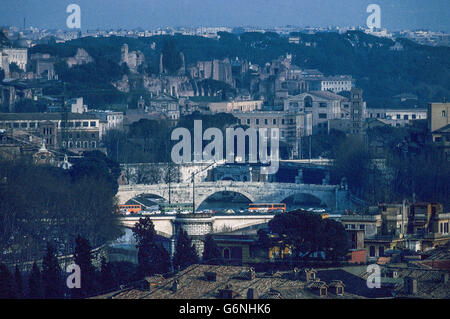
(206, 196)
(304, 197)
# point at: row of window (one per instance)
(265, 121)
(80, 144)
(36, 124)
(398, 116)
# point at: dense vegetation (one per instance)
(307, 233)
(40, 204)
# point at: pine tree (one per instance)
(19, 282)
(185, 252)
(152, 258)
(35, 283)
(107, 281)
(83, 258)
(7, 285)
(51, 275)
(211, 253)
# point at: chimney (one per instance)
(175, 286)
(410, 285)
(252, 293)
(251, 274)
(210, 275)
(444, 278)
(226, 293)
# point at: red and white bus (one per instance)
(130, 209)
(267, 207)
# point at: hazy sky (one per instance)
(395, 14)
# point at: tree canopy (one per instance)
(307, 233)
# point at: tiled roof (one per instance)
(192, 284)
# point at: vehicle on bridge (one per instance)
(130, 209)
(267, 207)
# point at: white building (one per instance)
(16, 55)
(397, 117)
(323, 106)
(334, 84)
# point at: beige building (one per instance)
(438, 115)
(81, 132)
(16, 55)
(397, 117)
(322, 105)
(292, 126)
(235, 106)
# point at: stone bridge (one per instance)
(333, 196)
(198, 225)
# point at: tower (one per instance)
(357, 112)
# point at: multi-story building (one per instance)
(18, 56)
(79, 132)
(439, 126)
(397, 117)
(165, 104)
(292, 126)
(109, 120)
(322, 105)
(235, 106)
(334, 84)
(418, 227)
(438, 115)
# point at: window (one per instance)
(32, 124)
(23, 125)
(414, 116)
(372, 251)
(77, 124)
(265, 121)
(248, 121)
(308, 101)
(257, 121)
(282, 121)
(85, 124)
(274, 121)
(322, 104)
(381, 251)
(93, 124)
(322, 115)
(405, 117)
(444, 114)
(398, 116)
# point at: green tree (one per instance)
(211, 252)
(185, 252)
(307, 233)
(107, 281)
(35, 283)
(19, 282)
(171, 57)
(7, 285)
(51, 275)
(83, 259)
(152, 257)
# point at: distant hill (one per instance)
(379, 70)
